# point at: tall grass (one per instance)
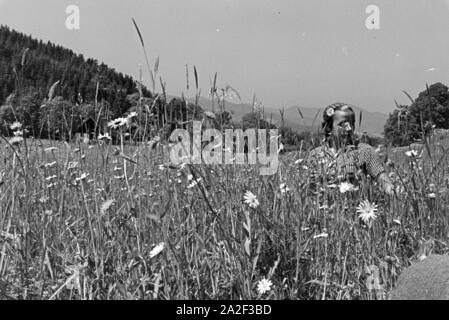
(121, 222)
(81, 223)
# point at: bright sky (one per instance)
(287, 52)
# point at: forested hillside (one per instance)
(42, 64)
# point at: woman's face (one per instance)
(342, 127)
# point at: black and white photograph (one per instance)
(242, 151)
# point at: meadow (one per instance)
(120, 222)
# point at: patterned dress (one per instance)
(346, 165)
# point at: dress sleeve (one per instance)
(373, 165)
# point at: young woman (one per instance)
(341, 157)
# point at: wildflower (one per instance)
(104, 136)
(16, 125)
(299, 161)
(15, 140)
(264, 286)
(411, 153)
(367, 211)
(106, 205)
(50, 164)
(345, 187)
(51, 178)
(18, 133)
(119, 122)
(193, 183)
(431, 195)
(161, 167)
(189, 177)
(321, 235)
(284, 188)
(82, 177)
(132, 115)
(157, 249)
(251, 199)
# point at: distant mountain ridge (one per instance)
(372, 122)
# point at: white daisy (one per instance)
(284, 188)
(193, 183)
(411, 153)
(367, 211)
(345, 187)
(157, 249)
(251, 199)
(104, 136)
(321, 235)
(264, 286)
(132, 115)
(16, 125)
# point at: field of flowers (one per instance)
(120, 222)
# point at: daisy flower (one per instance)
(16, 125)
(119, 122)
(264, 286)
(157, 249)
(345, 187)
(193, 183)
(321, 235)
(132, 115)
(411, 153)
(104, 136)
(251, 199)
(367, 211)
(284, 188)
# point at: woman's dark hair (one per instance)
(328, 115)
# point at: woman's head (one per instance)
(339, 121)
